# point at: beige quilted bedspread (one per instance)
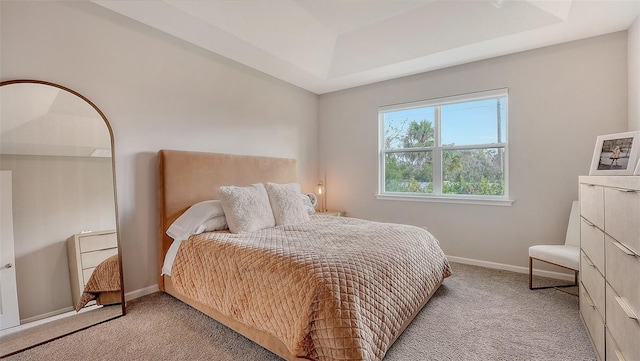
(334, 288)
(105, 278)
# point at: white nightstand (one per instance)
(85, 252)
(332, 213)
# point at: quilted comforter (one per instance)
(105, 278)
(334, 288)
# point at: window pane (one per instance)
(409, 128)
(476, 122)
(408, 172)
(473, 171)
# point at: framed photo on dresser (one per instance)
(616, 154)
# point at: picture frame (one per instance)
(616, 154)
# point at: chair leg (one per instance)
(575, 279)
(530, 273)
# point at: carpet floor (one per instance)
(477, 314)
(15, 341)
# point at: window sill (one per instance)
(447, 199)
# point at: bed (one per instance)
(331, 288)
(103, 285)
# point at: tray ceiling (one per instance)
(329, 45)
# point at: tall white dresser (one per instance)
(85, 252)
(610, 264)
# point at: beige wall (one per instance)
(634, 75)
(54, 198)
(560, 99)
(157, 92)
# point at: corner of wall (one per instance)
(633, 49)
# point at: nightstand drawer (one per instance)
(593, 282)
(86, 274)
(593, 322)
(592, 204)
(95, 242)
(624, 329)
(592, 243)
(92, 259)
(622, 211)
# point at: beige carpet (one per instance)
(478, 314)
(36, 335)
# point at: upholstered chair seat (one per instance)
(565, 255)
(561, 255)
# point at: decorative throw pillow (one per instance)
(247, 209)
(286, 203)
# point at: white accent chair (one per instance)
(566, 256)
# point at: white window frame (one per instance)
(436, 152)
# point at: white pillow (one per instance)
(286, 204)
(214, 224)
(247, 208)
(193, 218)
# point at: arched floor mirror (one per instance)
(60, 269)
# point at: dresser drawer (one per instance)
(622, 212)
(593, 322)
(593, 281)
(613, 351)
(592, 243)
(623, 271)
(624, 330)
(92, 259)
(86, 274)
(95, 242)
(592, 204)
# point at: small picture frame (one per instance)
(616, 154)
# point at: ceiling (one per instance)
(39, 119)
(329, 45)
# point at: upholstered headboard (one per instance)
(185, 178)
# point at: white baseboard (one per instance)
(508, 267)
(46, 315)
(141, 292)
(45, 318)
(49, 316)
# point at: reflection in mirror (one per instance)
(59, 255)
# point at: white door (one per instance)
(9, 315)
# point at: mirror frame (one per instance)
(115, 199)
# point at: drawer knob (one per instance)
(8, 265)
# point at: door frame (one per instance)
(9, 310)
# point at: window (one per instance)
(446, 148)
